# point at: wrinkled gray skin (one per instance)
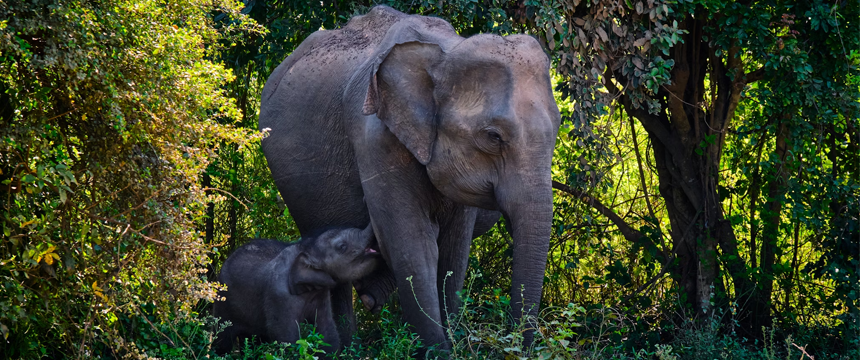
(273, 286)
(397, 120)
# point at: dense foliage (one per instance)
(715, 85)
(707, 176)
(108, 113)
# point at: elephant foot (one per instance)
(375, 289)
(370, 304)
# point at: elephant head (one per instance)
(332, 257)
(479, 114)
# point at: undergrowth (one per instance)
(484, 329)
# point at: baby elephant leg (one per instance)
(326, 326)
(224, 342)
(282, 321)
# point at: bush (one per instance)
(107, 116)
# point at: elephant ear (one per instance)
(400, 93)
(304, 277)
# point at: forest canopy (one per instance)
(707, 176)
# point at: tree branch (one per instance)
(228, 193)
(754, 76)
(626, 230)
(629, 233)
(651, 123)
(135, 231)
(641, 170)
(663, 270)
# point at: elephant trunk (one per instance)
(529, 212)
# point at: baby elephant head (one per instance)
(335, 256)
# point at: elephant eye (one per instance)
(341, 247)
(490, 141)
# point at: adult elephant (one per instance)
(397, 120)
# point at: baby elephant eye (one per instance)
(341, 247)
(494, 136)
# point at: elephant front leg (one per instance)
(416, 276)
(402, 203)
(282, 321)
(325, 326)
(407, 239)
(225, 340)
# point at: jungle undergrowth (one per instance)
(484, 328)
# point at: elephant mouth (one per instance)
(372, 249)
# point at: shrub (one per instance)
(107, 116)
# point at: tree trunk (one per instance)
(754, 191)
(687, 139)
(693, 222)
(761, 299)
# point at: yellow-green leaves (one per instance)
(108, 115)
(98, 291)
(48, 255)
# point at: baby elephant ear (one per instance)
(400, 93)
(304, 278)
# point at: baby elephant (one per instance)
(273, 286)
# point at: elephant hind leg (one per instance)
(455, 230)
(484, 221)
